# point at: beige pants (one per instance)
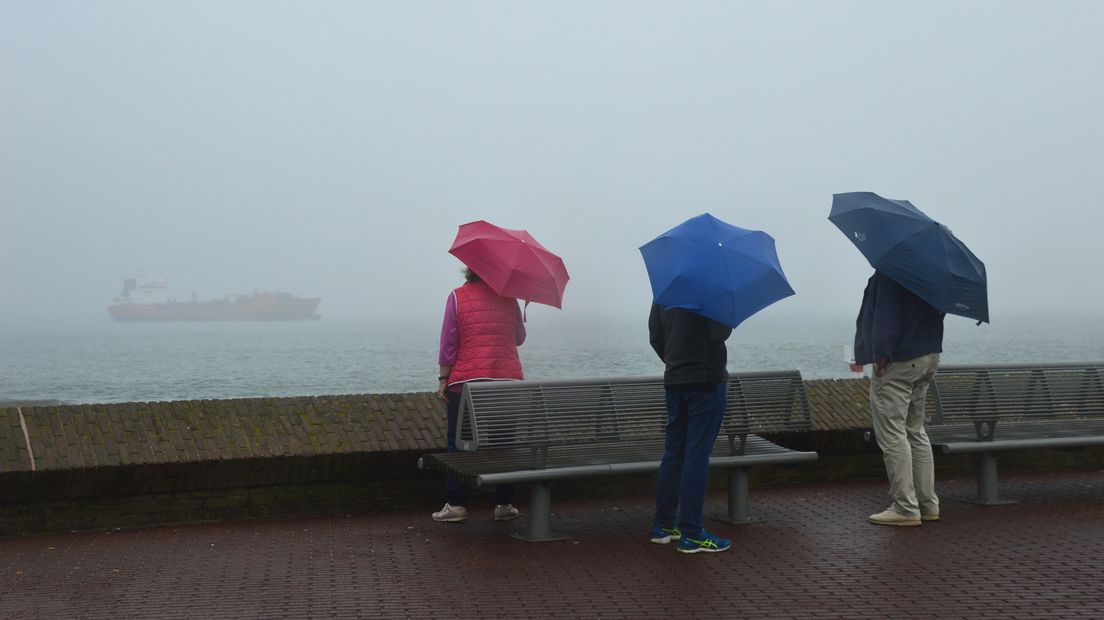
(897, 405)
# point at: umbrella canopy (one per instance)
(915, 251)
(715, 269)
(511, 262)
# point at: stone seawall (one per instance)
(140, 464)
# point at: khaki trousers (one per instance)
(897, 406)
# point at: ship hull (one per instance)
(259, 307)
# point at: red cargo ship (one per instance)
(141, 302)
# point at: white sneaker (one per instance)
(505, 512)
(889, 516)
(451, 514)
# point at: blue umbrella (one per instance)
(915, 251)
(715, 269)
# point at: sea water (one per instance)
(105, 361)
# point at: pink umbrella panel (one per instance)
(511, 262)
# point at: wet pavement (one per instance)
(814, 555)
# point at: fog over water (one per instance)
(332, 149)
(100, 361)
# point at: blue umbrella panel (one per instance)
(915, 251)
(715, 269)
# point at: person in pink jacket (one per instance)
(480, 337)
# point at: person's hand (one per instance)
(441, 387)
(880, 367)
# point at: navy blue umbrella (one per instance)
(715, 269)
(915, 251)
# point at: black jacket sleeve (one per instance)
(655, 331)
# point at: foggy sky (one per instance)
(332, 148)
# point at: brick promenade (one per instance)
(814, 556)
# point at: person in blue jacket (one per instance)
(902, 336)
(692, 348)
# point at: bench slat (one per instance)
(1001, 445)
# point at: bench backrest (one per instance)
(510, 414)
(1016, 393)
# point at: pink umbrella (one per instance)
(511, 262)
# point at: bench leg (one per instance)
(540, 515)
(987, 491)
(738, 497)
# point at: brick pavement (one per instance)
(814, 556)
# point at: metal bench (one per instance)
(539, 431)
(988, 409)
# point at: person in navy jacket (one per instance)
(901, 335)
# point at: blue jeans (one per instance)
(694, 418)
(456, 491)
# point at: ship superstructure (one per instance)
(143, 300)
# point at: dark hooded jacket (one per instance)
(692, 347)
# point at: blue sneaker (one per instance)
(664, 535)
(706, 542)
